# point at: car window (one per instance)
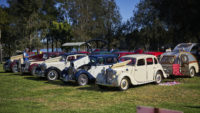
(114, 60)
(141, 62)
(109, 60)
(155, 61)
(70, 58)
(100, 60)
(149, 61)
(79, 56)
(167, 59)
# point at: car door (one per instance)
(150, 68)
(184, 64)
(140, 71)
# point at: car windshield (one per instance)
(182, 47)
(103, 60)
(167, 59)
(133, 60)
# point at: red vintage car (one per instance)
(139, 51)
(123, 53)
(157, 54)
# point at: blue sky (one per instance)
(126, 7)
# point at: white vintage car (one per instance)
(52, 68)
(134, 70)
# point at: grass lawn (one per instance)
(29, 94)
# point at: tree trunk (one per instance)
(0, 49)
(56, 45)
(47, 47)
(52, 44)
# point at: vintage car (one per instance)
(88, 73)
(133, 70)
(52, 68)
(13, 63)
(179, 63)
(29, 67)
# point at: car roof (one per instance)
(139, 56)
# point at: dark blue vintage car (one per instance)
(89, 72)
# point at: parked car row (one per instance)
(119, 69)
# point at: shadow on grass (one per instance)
(94, 87)
(193, 107)
(4, 72)
(34, 78)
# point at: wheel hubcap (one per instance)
(52, 74)
(158, 78)
(83, 80)
(124, 84)
(192, 72)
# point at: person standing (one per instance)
(25, 55)
(26, 58)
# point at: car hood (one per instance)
(56, 59)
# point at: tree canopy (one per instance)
(154, 24)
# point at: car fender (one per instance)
(121, 76)
(195, 66)
(53, 68)
(163, 73)
(90, 77)
(31, 66)
(12, 64)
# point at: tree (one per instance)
(60, 32)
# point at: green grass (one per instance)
(29, 94)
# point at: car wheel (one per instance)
(33, 70)
(158, 78)
(14, 68)
(52, 75)
(124, 84)
(82, 80)
(192, 72)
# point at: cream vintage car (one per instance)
(134, 70)
(52, 68)
(179, 63)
